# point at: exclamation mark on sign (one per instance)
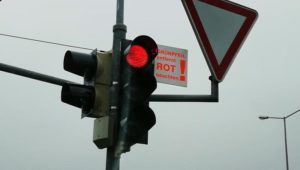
(182, 70)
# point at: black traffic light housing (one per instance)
(93, 96)
(137, 85)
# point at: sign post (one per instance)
(119, 29)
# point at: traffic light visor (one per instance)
(137, 56)
(78, 95)
(141, 52)
(80, 63)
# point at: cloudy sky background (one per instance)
(38, 131)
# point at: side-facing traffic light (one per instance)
(137, 84)
(93, 96)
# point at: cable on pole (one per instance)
(43, 41)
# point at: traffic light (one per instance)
(137, 85)
(93, 96)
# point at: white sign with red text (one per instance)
(171, 65)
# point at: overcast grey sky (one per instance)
(38, 131)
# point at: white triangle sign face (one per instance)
(221, 27)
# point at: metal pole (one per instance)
(286, 148)
(33, 75)
(213, 97)
(285, 135)
(119, 29)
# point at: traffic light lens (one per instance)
(137, 56)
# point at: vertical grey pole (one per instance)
(285, 141)
(112, 159)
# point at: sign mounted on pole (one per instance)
(221, 27)
(171, 65)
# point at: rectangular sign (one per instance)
(171, 66)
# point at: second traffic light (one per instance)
(93, 96)
(137, 85)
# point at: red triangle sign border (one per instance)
(219, 70)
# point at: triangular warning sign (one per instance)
(221, 27)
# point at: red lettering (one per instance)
(165, 67)
(158, 66)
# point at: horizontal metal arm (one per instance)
(213, 97)
(271, 117)
(33, 75)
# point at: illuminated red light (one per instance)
(137, 56)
